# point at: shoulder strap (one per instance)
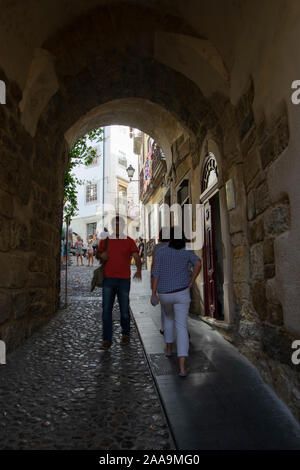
(105, 243)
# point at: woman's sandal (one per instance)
(183, 374)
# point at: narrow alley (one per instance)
(60, 391)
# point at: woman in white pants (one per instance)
(162, 242)
(171, 286)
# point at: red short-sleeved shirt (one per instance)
(120, 251)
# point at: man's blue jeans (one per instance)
(113, 286)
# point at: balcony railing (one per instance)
(157, 168)
(141, 183)
(158, 158)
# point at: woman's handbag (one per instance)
(98, 275)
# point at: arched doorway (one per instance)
(217, 283)
(212, 252)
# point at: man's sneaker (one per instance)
(125, 339)
(105, 345)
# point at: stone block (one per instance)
(240, 264)
(7, 174)
(25, 142)
(247, 312)
(23, 182)
(251, 166)
(267, 151)
(14, 271)
(282, 135)
(261, 131)
(236, 221)
(3, 118)
(268, 251)
(257, 262)
(38, 279)
(275, 314)
(262, 200)
(277, 344)
(6, 204)
(183, 149)
(277, 220)
(5, 234)
(256, 231)
(250, 330)
(251, 212)
(269, 271)
(5, 306)
(241, 292)
(19, 236)
(238, 239)
(249, 142)
(9, 144)
(245, 124)
(21, 304)
(38, 264)
(272, 291)
(258, 291)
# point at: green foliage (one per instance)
(81, 153)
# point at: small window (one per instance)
(91, 228)
(122, 160)
(91, 193)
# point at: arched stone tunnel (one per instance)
(205, 73)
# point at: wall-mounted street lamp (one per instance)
(130, 172)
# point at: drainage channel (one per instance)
(155, 383)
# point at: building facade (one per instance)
(106, 186)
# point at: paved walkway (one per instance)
(59, 391)
(223, 403)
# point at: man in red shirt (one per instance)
(117, 257)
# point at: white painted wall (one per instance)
(117, 144)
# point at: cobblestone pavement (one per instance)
(59, 391)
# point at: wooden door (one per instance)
(211, 299)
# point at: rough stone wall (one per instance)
(30, 220)
(261, 334)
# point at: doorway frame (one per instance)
(219, 187)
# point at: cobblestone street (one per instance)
(59, 391)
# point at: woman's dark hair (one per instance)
(177, 243)
(162, 238)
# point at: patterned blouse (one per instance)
(171, 268)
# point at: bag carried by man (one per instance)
(98, 275)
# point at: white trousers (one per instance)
(176, 310)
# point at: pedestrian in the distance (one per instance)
(171, 286)
(95, 243)
(141, 248)
(90, 250)
(161, 243)
(78, 248)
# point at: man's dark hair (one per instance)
(119, 219)
(176, 243)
